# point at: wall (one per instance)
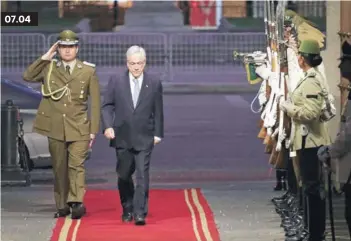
(330, 57)
(234, 9)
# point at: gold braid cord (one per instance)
(52, 94)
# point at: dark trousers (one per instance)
(128, 162)
(347, 191)
(292, 183)
(314, 193)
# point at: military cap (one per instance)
(309, 46)
(68, 37)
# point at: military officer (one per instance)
(63, 117)
(305, 107)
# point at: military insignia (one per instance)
(79, 66)
(312, 96)
(89, 64)
(58, 63)
(312, 74)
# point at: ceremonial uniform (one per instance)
(63, 117)
(309, 134)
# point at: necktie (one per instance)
(136, 91)
(68, 69)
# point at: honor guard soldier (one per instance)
(305, 108)
(62, 116)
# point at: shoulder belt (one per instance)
(89, 64)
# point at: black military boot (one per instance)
(279, 175)
(282, 198)
(62, 212)
(78, 210)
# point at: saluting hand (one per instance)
(110, 133)
(51, 52)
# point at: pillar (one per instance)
(330, 59)
(345, 27)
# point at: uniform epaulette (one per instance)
(312, 74)
(89, 64)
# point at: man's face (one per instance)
(136, 64)
(68, 52)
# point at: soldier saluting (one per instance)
(63, 117)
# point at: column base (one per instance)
(15, 178)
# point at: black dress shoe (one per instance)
(281, 198)
(127, 217)
(62, 212)
(302, 236)
(78, 210)
(139, 220)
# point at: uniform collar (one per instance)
(71, 64)
(310, 71)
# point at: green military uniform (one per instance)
(307, 103)
(63, 117)
(309, 133)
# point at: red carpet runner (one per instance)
(174, 215)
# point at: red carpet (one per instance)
(174, 215)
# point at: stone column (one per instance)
(345, 27)
(330, 58)
(338, 19)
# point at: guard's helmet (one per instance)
(309, 46)
(68, 37)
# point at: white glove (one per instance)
(262, 99)
(285, 105)
(263, 71)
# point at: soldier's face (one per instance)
(68, 52)
(136, 64)
(301, 61)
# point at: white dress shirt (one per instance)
(140, 83)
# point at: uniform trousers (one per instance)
(69, 172)
(128, 162)
(314, 193)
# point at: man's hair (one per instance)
(135, 49)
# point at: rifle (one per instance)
(278, 120)
(263, 131)
(283, 124)
(284, 120)
(270, 111)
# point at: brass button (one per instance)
(64, 115)
(65, 104)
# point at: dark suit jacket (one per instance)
(134, 128)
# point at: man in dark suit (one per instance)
(132, 118)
